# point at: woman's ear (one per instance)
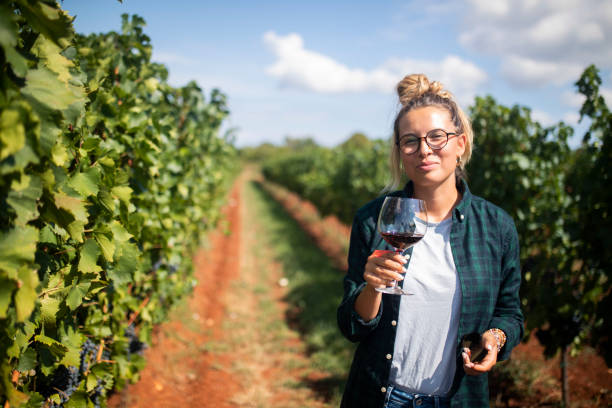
(461, 142)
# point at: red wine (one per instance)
(401, 240)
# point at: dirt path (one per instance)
(228, 345)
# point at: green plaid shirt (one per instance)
(485, 248)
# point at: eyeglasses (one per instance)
(436, 139)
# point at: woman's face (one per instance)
(428, 167)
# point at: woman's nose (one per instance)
(424, 148)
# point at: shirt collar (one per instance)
(460, 210)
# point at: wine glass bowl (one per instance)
(402, 222)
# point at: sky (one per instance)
(328, 69)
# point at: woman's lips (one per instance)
(426, 166)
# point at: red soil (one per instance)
(179, 372)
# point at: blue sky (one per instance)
(327, 69)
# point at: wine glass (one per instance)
(402, 222)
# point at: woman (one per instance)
(465, 273)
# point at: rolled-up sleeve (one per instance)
(507, 315)
(352, 326)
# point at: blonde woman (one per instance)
(464, 275)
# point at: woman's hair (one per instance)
(415, 91)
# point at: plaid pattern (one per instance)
(484, 243)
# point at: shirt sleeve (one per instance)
(507, 315)
(352, 326)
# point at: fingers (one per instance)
(483, 366)
(381, 269)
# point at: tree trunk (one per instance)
(564, 379)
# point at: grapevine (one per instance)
(110, 180)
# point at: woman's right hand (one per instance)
(383, 267)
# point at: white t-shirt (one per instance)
(425, 344)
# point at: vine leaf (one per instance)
(73, 205)
(86, 183)
(49, 306)
(24, 197)
(54, 346)
(26, 295)
(17, 247)
(77, 292)
(89, 257)
(12, 133)
(127, 264)
(107, 246)
(6, 290)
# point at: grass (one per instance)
(315, 289)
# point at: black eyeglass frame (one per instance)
(448, 134)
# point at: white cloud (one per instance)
(544, 118)
(572, 99)
(571, 118)
(296, 66)
(607, 94)
(171, 58)
(527, 71)
(540, 34)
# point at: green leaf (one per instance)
(124, 193)
(77, 400)
(73, 205)
(17, 247)
(54, 346)
(24, 198)
(9, 39)
(49, 307)
(72, 339)
(12, 133)
(52, 58)
(8, 27)
(119, 232)
(77, 292)
(48, 20)
(76, 230)
(106, 200)
(107, 246)
(91, 382)
(27, 360)
(26, 295)
(59, 154)
(6, 290)
(86, 184)
(45, 87)
(127, 264)
(89, 257)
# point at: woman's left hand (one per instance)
(489, 342)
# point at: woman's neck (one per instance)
(440, 199)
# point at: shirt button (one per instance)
(461, 217)
(389, 356)
(383, 389)
(393, 323)
(418, 402)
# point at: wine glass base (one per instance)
(394, 290)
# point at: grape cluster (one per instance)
(157, 265)
(135, 346)
(97, 394)
(89, 348)
(66, 380)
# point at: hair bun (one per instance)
(416, 85)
